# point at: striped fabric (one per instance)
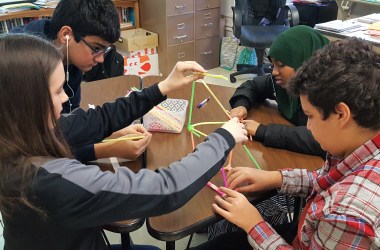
(275, 210)
(345, 210)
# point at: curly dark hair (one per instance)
(346, 71)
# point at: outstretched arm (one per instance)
(297, 139)
(249, 94)
(82, 129)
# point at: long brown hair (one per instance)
(26, 110)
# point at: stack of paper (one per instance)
(5, 2)
(17, 7)
(338, 26)
(372, 18)
(47, 3)
(374, 26)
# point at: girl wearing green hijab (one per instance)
(287, 54)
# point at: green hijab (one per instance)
(296, 45)
(292, 48)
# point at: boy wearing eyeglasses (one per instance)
(84, 31)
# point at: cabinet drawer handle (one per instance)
(206, 25)
(180, 37)
(181, 55)
(180, 26)
(180, 6)
(207, 16)
(206, 52)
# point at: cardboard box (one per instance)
(143, 52)
(136, 39)
(146, 65)
(137, 53)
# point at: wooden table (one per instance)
(165, 148)
(97, 93)
(107, 90)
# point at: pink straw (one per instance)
(224, 177)
(215, 188)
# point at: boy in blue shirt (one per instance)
(84, 31)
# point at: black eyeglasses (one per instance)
(97, 51)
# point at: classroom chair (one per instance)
(257, 23)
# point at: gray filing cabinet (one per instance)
(187, 30)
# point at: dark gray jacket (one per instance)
(293, 138)
(79, 199)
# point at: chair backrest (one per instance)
(259, 12)
(269, 9)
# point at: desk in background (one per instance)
(97, 93)
(165, 148)
(332, 36)
(107, 90)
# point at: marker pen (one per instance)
(202, 103)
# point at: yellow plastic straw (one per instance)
(125, 138)
(199, 132)
(164, 119)
(216, 99)
(208, 123)
(213, 76)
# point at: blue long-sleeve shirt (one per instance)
(72, 86)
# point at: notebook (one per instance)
(338, 26)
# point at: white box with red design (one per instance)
(144, 65)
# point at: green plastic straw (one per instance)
(191, 104)
(199, 132)
(190, 128)
(196, 132)
(251, 156)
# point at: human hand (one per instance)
(180, 77)
(245, 179)
(251, 126)
(136, 129)
(236, 129)
(235, 207)
(127, 149)
(239, 112)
